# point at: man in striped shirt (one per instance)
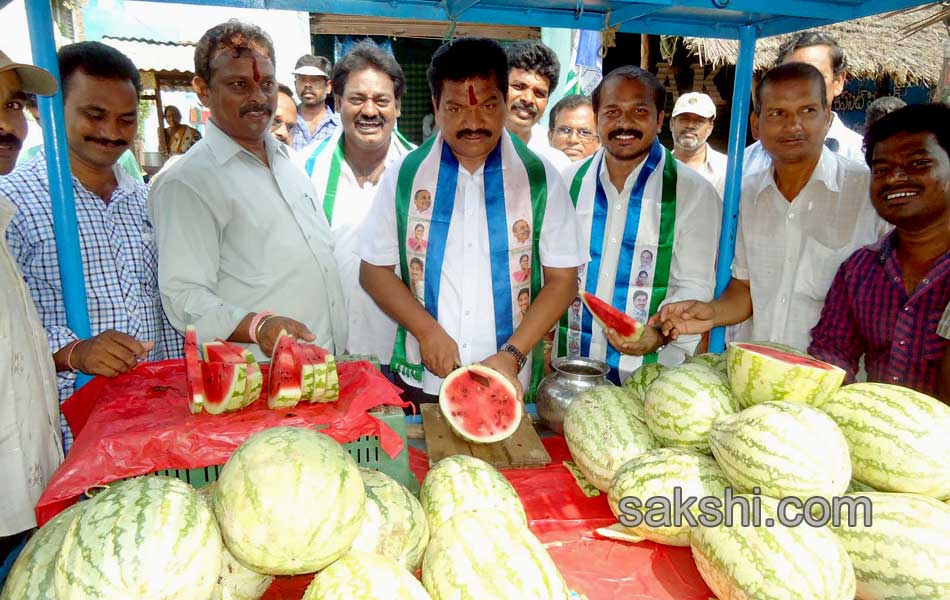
(887, 298)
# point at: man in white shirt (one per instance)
(245, 249)
(692, 122)
(473, 192)
(30, 446)
(369, 85)
(798, 221)
(533, 71)
(820, 50)
(650, 224)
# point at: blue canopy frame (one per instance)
(742, 20)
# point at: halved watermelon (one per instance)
(224, 351)
(477, 413)
(628, 328)
(224, 384)
(765, 372)
(286, 373)
(196, 393)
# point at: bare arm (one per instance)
(691, 316)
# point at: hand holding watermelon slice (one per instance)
(624, 333)
(480, 404)
(272, 329)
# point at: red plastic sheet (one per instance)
(564, 519)
(140, 422)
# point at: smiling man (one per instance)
(346, 169)
(651, 227)
(798, 221)
(483, 181)
(100, 98)
(887, 297)
(245, 248)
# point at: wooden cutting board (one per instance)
(523, 449)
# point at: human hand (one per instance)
(689, 316)
(506, 364)
(649, 342)
(108, 354)
(440, 353)
(271, 328)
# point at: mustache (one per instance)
(106, 141)
(9, 138)
(617, 132)
(464, 132)
(255, 107)
(522, 105)
(370, 121)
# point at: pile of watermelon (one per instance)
(767, 422)
(224, 377)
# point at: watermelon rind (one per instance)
(307, 382)
(461, 483)
(609, 317)
(365, 575)
(604, 429)
(899, 438)
(193, 376)
(905, 553)
(756, 377)
(286, 373)
(32, 575)
(491, 556)
(233, 391)
(149, 538)
(283, 488)
(640, 379)
(332, 392)
(255, 379)
(235, 581)
(774, 562)
(395, 524)
(681, 406)
(221, 351)
(716, 362)
(659, 474)
(784, 449)
(451, 400)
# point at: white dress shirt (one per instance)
(790, 251)
(714, 169)
(849, 144)
(30, 443)
(540, 145)
(466, 304)
(695, 242)
(371, 331)
(237, 236)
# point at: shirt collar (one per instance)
(605, 176)
(826, 172)
(224, 148)
(123, 181)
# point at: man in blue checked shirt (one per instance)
(120, 262)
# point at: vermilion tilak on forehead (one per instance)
(255, 71)
(472, 99)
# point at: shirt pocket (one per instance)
(817, 269)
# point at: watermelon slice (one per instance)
(480, 414)
(763, 372)
(255, 379)
(314, 373)
(628, 328)
(286, 373)
(223, 351)
(196, 392)
(327, 381)
(224, 384)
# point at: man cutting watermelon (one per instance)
(651, 225)
(246, 251)
(483, 181)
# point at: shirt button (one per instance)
(907, 309)
(613, 240)
(791, 216)
(618, 207)
(901, 343)
(782, 300)
(895, 378)
(925, 281)
(468, 312)
(465, 345)
(897, 280)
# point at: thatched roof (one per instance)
(874, 46)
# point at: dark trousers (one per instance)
(410, 394)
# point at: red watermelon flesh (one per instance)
(193, 376)
(224, 351)
(286, 373)
(628, 328)
(480, 414)
(224, 385)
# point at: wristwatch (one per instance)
(518, 354)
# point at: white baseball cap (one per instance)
(696, 103)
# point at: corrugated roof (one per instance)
(156, 55)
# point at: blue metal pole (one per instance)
(738, 126)
(65, 227)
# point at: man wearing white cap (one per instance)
(30, 446)
(315, 120)
(694, 116)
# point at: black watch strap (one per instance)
(518, 354)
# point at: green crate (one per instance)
(364, 450)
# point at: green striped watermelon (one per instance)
(148, 538)
(641, 378)
(358, 575)
(395, 525)
(659, 474)
(235, 581)
(489, 555)
(462, 483)
(716, 362)
(32, 575)
(763, 372)
(905, 553)
(603, 431)
(745, 562)
(856, 487)
(682, 404)
(899, 438)
(281, 490)
(783, 448)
